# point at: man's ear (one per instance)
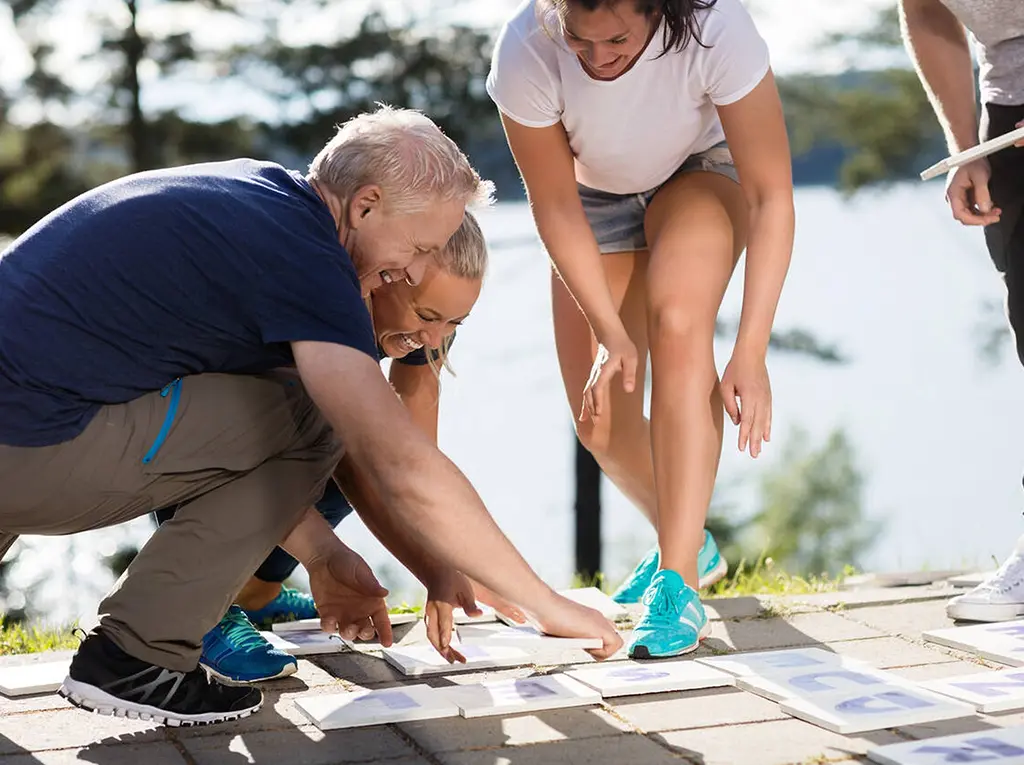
(367, 200)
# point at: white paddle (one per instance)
(975, 152)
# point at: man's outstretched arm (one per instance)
(423, 491)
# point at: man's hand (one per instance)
(348, 596)
(447, 589)
(968, 196)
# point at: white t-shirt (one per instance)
(629, 134)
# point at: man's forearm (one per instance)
(437, 508)
(420, 490)
(367, 504)
(938, 46)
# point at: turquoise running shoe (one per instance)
(710, 565)
(674, 621)
(289, 606)
(631, 590)
(235, 652)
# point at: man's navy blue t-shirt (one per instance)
(213, 267)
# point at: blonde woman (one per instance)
(415, 326)
(649, 136)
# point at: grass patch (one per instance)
(579, 581)
(764, 579)
(19, 638)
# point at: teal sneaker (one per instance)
(711, 567)
(289, 606)
(674, 621)
(631, 590)
(235, 652)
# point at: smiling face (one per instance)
(392, 246)
(608, 39)
(407, 318)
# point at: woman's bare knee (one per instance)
(678, 330)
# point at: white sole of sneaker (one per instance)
(92, 699)
(984, 612)
(291, 669)
(704, 632)
(715, 575)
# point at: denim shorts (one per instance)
(617, 220)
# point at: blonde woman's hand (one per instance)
(348, 596)
(447, 589)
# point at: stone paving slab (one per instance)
(901, 579)
(278, 713)
(872, 596)
(630, 748)
(358, 668)
(940, 671)
(908, 620)
(797, 630)
(889, 652)
(734, 608)
(455, 733)
(770, 743)
(305, 745)
(70, 728)
(695, 709)
(976, 724)
(120, 754)
(707, 727)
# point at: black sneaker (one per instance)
(105, 679)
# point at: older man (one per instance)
(986, 192)
(143, 327)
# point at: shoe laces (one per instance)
(292, 600)
(660, 605)
(1007, 577)
(240, 632)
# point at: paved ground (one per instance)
(724, 726)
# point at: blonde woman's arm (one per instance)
(419, 389)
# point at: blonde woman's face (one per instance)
(407, 318)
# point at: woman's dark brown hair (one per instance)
(680, 17)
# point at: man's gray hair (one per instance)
(406, 154)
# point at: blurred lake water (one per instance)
(888, 277)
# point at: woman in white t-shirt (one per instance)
(616, 112)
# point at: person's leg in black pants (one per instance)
(1001, 596)
(1005, 239)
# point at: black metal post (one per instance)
(588, 514)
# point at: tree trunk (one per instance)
(138, 134)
